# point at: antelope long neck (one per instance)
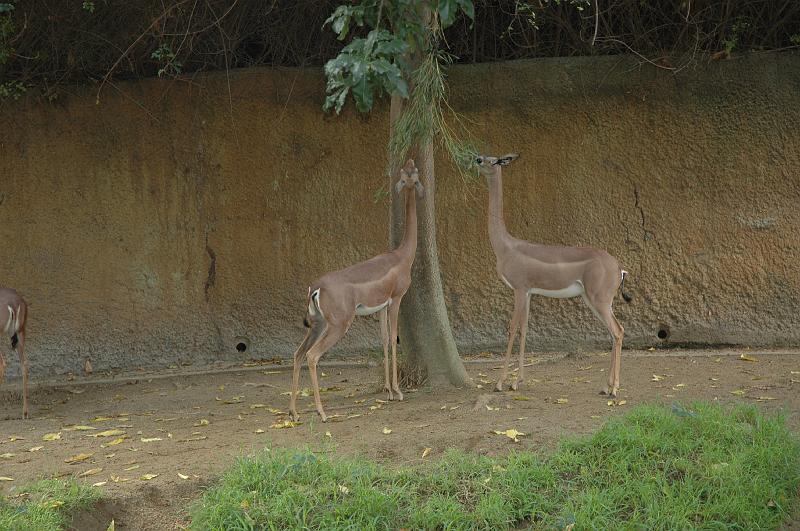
(408, 246)
(498, 235)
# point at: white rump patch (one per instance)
(573, 290)
(313, 304)
(7, 328)
(367, 310)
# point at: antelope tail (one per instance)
(627, 297)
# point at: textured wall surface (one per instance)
(172, 219)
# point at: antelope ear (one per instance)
(399, 186)
(420, 189)
(505, 160)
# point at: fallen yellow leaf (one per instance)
(90, 472)
(328, 435)
(35, 448)
(101, 419)
(7, 456)
(113, 443)
(6, 478)
(745, 357)
(15, 438)
(386, 431)
(256, 406)
(182, 476)
(343, 489)
(132, 467)
(151, 439)
(107, 433)
(765, 398)
(259, 430)
(77, 458)
(202, 422)
(511, 434)
(656, 378)
(52, 504)
(738, 392)
(148, 477)
(79, 428)
(562, 401)
(491, 408)
(99, 483)
(425, 452)
(285, 424)
(51, 436)
(521, 397)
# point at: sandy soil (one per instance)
(194, 425)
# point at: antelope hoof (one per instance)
(25, 415)
(323, 416)
(295, 416)
(399, 394)
(389, 392)
(516, 385)
(499, 387)
(610, 391)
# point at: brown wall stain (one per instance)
(173, 218)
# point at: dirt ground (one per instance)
(187, 428)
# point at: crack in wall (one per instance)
(211, 277)
(648, 235)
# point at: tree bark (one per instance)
(426, 338)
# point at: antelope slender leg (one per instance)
(519, 301)
(522, 334)
(384, 324)
(606, 314)
(299, 355)
(332, 334)
(394, 310)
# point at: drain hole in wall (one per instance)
(242, 344)
(663, 332)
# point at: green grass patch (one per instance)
(45, 505)
(706, 467)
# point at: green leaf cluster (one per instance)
(363, 67)
(378, 63)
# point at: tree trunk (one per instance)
(426, 338)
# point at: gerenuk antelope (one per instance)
(375, 285)
(13, 312)
(552, 271)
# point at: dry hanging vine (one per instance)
(48, 45)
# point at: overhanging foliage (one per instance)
(47, 45)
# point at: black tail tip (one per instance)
(306, 323)
(14, 341)
(627, 297)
